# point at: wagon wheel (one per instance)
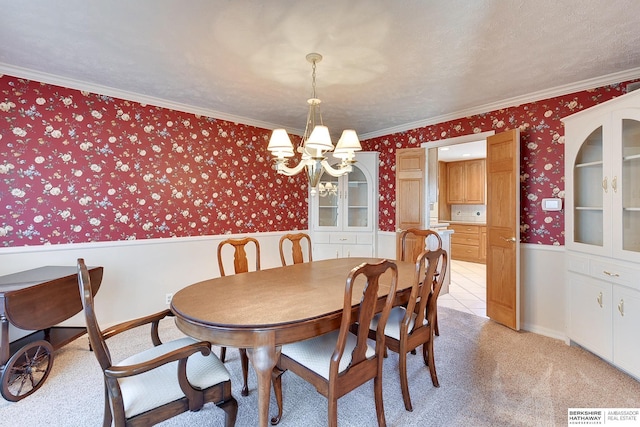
(26, 370)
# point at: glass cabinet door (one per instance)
(588, 191)
(328, 201)
(630, 185)
(357, 199)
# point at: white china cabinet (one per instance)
(344, 211)
(602, 230)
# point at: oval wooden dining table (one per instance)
(262, 310)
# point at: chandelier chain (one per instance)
(313, 79)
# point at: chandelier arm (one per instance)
(283, 169)
(335, 172)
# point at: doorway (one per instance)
(467, 291)
(468, 288)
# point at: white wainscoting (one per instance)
(137, 274)
(542, 285)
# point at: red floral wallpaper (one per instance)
(542, 155)
(80, 167)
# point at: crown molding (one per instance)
(592, 83)
(144, 99)
(42, 77)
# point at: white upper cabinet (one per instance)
(346, 203)
(602, 170)
(344, 211)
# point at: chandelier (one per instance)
(315, 143)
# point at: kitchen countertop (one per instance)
(439, 225)
(482, 224)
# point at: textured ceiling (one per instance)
(386, 64)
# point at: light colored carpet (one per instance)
(489, 376)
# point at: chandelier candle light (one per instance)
(315, 143)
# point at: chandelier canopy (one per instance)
(315, 143)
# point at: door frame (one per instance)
(443, 143)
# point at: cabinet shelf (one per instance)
(589, 164)
(632, 157)
(589, 208)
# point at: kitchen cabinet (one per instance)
(602, 229)
(466, 242)
(466, 182)
(344, 212)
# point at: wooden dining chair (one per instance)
(297, 253)
(408, 328)
(158, 383)
(240, 265)
(340, 361)
(413, 242)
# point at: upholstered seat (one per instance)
(202, 372)
(315, 353)
(395, 320)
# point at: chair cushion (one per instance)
(392, 329)
(315, 353)
(159, 386)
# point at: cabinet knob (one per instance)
(614, 184)
(610, 274)
(599, 299)
(605, 185)
(621, 307)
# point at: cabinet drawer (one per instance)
(321, 238)
(578, 264)
(465, 228)
(465, 239)
(364, 239)
(343, 238)
(615, 273)
(465, 252)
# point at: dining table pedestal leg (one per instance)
(264, 356)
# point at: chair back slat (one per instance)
(240, 258)
(297, 253)
(428, 282)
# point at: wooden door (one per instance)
(474, 182)
(410, 192)
(455, 183)
(503, 228)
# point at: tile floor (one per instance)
(467, 291)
